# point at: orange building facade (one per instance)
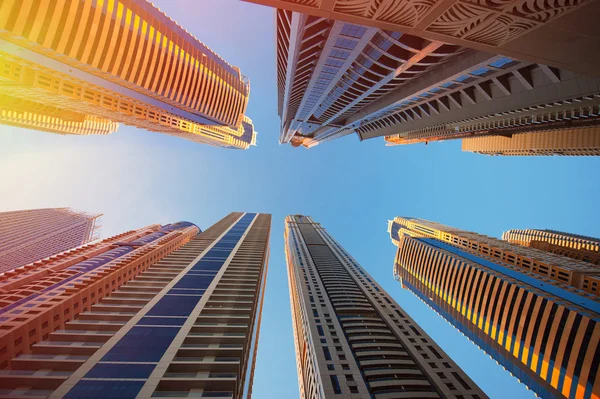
(124, 61)
(162, 311)
(525, 237)
(569, 142)
(42, 297)
(543, 331)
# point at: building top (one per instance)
(552, 273)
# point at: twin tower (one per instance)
(173, 311)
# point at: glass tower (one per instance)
(182, 318)
(352, 339)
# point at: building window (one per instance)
(327, 353)
(330, 367)
(336, 384)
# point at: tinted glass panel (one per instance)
(112, 370)
(162, 321)
(105, 389)
(142, 344)
(192, 281)
(174, 305)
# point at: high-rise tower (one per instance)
(351, 338)
(120, 61)
(31, 235)
(336, 77)
(156, 312)
(519, 305)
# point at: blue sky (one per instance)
(138, 178)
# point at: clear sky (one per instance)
(138, 178)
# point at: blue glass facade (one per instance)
(148, 340)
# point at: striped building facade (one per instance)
(182, 318)
(586, 249)
(545, 333)
(120, 60)
(525, 237)
(352, 339)
(30, 235)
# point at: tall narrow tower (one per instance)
(351, 338)
(526, 308)
(31, 235)
(182, 318)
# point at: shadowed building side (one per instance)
(548, 32)
(335, 78)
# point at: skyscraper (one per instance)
(351, 338)
(156, 312)
(520, 305)
(527, 30)
(31, 235)
(573, 246)
(121, 61)
(336, 77)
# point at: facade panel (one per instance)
(336, 76)
(514, 28)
